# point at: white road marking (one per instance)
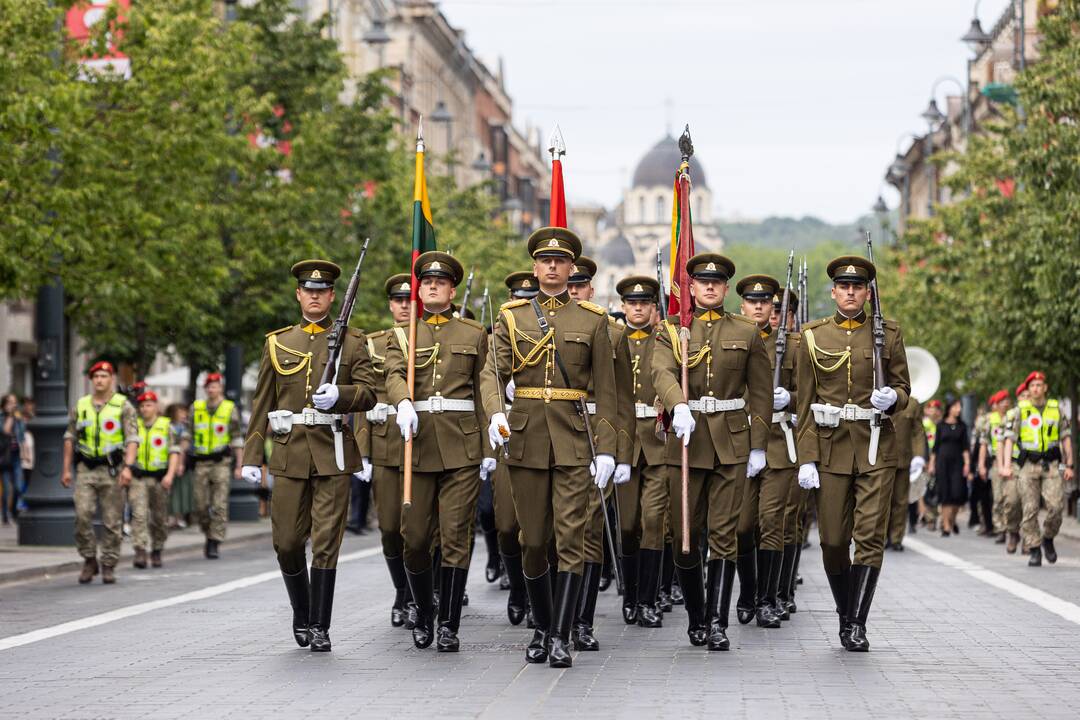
(85, 623)
(1045, 600)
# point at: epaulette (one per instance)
(815, 323)
(356, 332)
(892, 324)
(377, 334)
(513, 304)
(742, 318)
(279, 330)
(472, 323)
(593, 307)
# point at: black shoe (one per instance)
(677, 594)
(696, 611)
(1036, 557)
(398, 612)
(898, 547)
(763, 602)
(648, 614)
(453, 592)
(504, 582)
(747, 569)
(300, 598)
(322, 605)
(410, 611)
(664, 602)
(517, 604)
(567, 594)
(211, 550)
(493, 571)
(540, 604)
(582, 634)
(420, 584)
(721, 581)
(862, 582)
(838, 586)
(1048, 550)
(630, 585)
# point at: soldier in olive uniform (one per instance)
(156, 464)
(103, 436)
(537, 341)
(643, 501)
(910, 460)
(725, 423)
(448, 448)
(313, 457)
(581, 289)
(381, 451)
(522, 285)
(217, 442)
(838, 406)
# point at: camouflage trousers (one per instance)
(94, 487)
(1007, 506)
(149, 509)
(212, 480)
(1046, 484)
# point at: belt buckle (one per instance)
(547, 394)
(309, 417)
(849, 413)
(435, 404)
(708, 405)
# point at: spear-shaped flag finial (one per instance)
(420, 135)
(556, 146)
(686, 146)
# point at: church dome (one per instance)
(658, 166)
(617, 252)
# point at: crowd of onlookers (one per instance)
(16, 453)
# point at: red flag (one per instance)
(682, 248)
(558, 192)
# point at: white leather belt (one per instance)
(438, 404)
(827, 415)
(709, 405)
(311, 417)
(641, 410)
(853, 413)
(380, 413)
(779, 417)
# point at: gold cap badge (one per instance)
(638, 288)
(435, 266)
(850, 269)
(404, 286)
(711, 266)
(526, 284)
(316, 275)
(553, 243)
(758, 287)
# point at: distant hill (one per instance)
(800, 233)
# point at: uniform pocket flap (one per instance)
(578, 337)
(468, 424)
(517, 420)
(463, 349)
(577, 422)
(734, 345)
(737, 421)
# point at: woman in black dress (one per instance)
(949, 464)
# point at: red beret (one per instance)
(934, 404)
(149, 395)
(998, 397)
(1035, 375)
(1021, 388)
(211, 377)
(101, 365)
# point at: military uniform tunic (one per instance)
(910, 442)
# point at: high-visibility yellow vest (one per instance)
(1039, 431)
(211, 431)
(996, 424)
(153, 455)
(930, 429)
(100, 432)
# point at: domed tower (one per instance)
(648, 201)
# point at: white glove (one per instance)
(407, 421)
(622, 473)
(510, 390)
(883, 398)
(780, 398)
(365, 471)
(808, 477)
(682, 422)
(756, 463)
(918, 464)
(252, 473)
(487, 466)
(601, 469)
(495, 437)
(325, 397)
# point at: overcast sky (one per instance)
(795, 106)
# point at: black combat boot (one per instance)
(211, 550)
(567, 593)
(630, 585)
(300, 599)
(862, 582)
(582, 634)
(747, 569)
(1035, 557)
(838, 585)
(693, 587)
(397, 577)
(453, 590)
(667, 576)
(1048, 550)
(795, 579)
(721, 582)
(648, 614)
(785, 598)
(517, 604)
(493, 571)
(423, 594)
(322, 606)
(768, 561)
(539, 590)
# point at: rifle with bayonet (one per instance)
(877, 329)
(465, 298)
(781, 351)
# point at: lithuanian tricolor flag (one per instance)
(423, 229)
(682, 246)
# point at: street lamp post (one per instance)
(377, 37)
(934, 118)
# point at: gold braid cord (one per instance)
(540, 351)
(403, 342)
(305, 361)
(841, 357)
(704, 354)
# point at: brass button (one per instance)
(848, 332)
(708, 324)
(438, 377)
(552, 313)
(848, 348)
(710, 392)
(639, 386)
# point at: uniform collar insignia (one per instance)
(849, 323)
(553, 302)
(710, 315)
(639, 334)
(432, 318)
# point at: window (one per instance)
(660, 207)
(641, 209)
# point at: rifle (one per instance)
(803, 316)
(781, 350)
(465, 298)
(333, 348)
(878, 331)
(483, 307)
(495, 363)
(660, 280)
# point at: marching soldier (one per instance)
(312, 462)
(1042, 432)
(156, 465)
(643, 501)
(910, 460)
(838, 404)
(522, 285)
(551, 347)
(448, 445)
(795, 498)
(102, 436)
(381, 452)
(581, 289)
(992, 436)
(726, 435)
(928, 504)
(217, 441)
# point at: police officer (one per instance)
(551, 347)
(381, 452)
(446, 423)
(910, 460)
(103, 437)
(156, 464)
(838, 406)
(726, 434)
(1043, 434)
(217, 440)
(992, 437)
(312, 459)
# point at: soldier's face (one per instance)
(850, 297)
(552, 271)
(581, 291)
(314, 302)
(1037, 390)
(400, 307)
(638, 312)
(708, 293)
(148, 410)
(757, 310)
(436, 293)
(101, 381)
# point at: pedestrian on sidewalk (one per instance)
(12, 432)
(155, 468)
(950, 464)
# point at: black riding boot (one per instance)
(493, 571)
(539, 590)
(300, 599)
(721, 582)
(838, 585)
(667, 576)
(785, 600)
(862, 582)
(517, 604)
(567, 592)
(582, 634)
(423, 595)
(766, 616)
(795, 581)
(693, 588)
(747, 569)
(397, 576)
(322, 606)
(630, 585)
(453, 591)
(648, 614)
